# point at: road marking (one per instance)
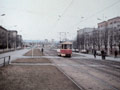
(77, 65)
(32, 64)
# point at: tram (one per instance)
(65, 49)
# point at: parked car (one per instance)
(83, 51)
(73, 50)
(98, 53)
(76, 50)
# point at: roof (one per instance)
(67, 42)
(12, 31)
(3, 28)
(114, 18)
(102, 22)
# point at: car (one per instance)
(75, 50)
(98, 53)
(83, 51)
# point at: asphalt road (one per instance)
(89, 74)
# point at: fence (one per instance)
(5, 60)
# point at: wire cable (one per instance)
(99, 12)
(60, 16)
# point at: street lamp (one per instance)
(2, 14)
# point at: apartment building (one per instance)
(110, 34)
(19, 41)
(12, 37)
(3, 38)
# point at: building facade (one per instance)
(3, 38)
(84, 38)
(110, 34)
(19, 41)
(106, 36)
(12, 39)
(9, 39)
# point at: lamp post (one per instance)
(7, 40)
(108, 43)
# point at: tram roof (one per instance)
(66, 43)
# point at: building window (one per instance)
(118, 25)
(114, 21)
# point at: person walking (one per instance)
(116, 53)
(94, 53)
(103, 54)
(42, 50)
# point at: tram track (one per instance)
(111, 67)
(71, 79)
(97, 78)
(102, 70)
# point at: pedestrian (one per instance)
(94, 52)
(87, 51)
(103, 54)
(116, 53)
(42, 50)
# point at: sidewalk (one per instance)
(8, 50)
(14, 55)
(5, 50)
(90, 56)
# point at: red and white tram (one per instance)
(65, 49)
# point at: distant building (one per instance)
(9, 39)
(106, 36)
(113, 23)
(83, 38)
(12, 39)
(102, 25)
(19, 41)
(3, 38)
(110, 34)
(85, 30)
(46, 41)
(52, 41)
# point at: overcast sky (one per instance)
(44, 19)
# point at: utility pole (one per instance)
(32, 49)
(108, 47)
(7, 40)
(64, 37)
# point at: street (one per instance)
(85, 73)
(90, 74)
(60, 45)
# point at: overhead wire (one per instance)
(60, 16)
(110, 6)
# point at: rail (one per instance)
(6, 60)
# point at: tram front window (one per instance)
(66, 46)
(69, 46)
